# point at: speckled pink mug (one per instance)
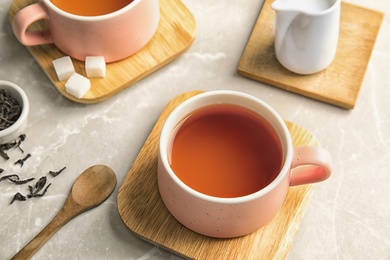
(115, 35)
(237, 216)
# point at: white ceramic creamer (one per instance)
(306, 33)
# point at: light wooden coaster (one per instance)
(340, 83)
(174, 35)
(144, 213)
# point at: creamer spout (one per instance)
(283, 5)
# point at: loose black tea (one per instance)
(21, 181)
(21, 161)
(34, 191)
(54, 174)
(15, 179)
(34, 195)
(22, 137)
(6, 177)
(10, 109)
(4, 154)
(39, 189)
(12, 144)
(19, 197)
(38, 186)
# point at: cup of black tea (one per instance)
(226, 161)
(14, 109)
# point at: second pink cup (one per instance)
(190, 190)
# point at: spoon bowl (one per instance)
(89, 190)
(99, 181)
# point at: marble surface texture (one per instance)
(348, 216)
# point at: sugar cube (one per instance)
(95, 66)
(77, 85)
(63, 67)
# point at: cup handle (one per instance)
(310, 164)
(27, 16)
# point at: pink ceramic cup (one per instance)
(115, 35)
(232, 217)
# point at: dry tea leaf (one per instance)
(10, 109)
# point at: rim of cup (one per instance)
(16, 129)
(175, 118)
(91, 18)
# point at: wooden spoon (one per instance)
(89, 190)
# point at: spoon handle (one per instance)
(67, 212)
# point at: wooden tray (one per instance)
(340, 83)
(144, 213)
(174, 35)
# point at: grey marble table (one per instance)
(348, 216)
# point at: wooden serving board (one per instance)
(144, 213)
(174, 35)
(340, 83)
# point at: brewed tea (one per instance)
(90, 7)
(226, 151)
